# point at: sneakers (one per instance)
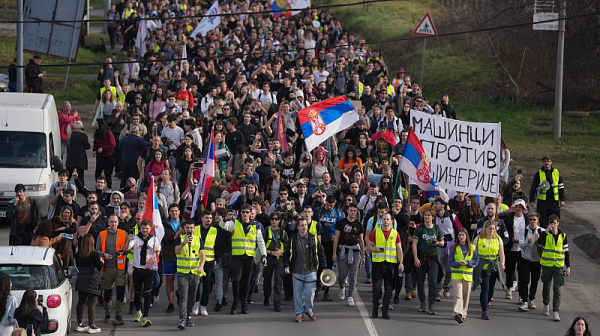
(138, 316)
(408, 296)
(390, 307)
(131, 308)
(446, 292)
(396, 299)
(266, 302)
(81, 328)
(170, 308)
(524, 306)
(156, 298)
(375, 312)
(459, 318)
(299, 318)
(224, 301)
(438, 298)
(195, 308)
(423, 307)
(342, 293)
(277, 308)
(92, 329)
(485, 316)
(203, 311)
(413, 294)
(190, 323)
(431, 310)
(546, 311)
(119, 320)
(181, 325)
(351, 301)
(326, 297)
(368, 281)
(146, 322)
(218, 307)
(106, 319)
(385, 315)
(555, 316)
(531, 304)
(311, 316)
(509, 293)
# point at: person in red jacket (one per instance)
(155, 167)
(183, 93)
(103, 150)
(66, 120)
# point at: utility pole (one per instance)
(20, 46)
(106, 9)
(559, 70)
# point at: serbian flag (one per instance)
(152, 213)
(280, 131)
(414, 163)
(324, 119)
(206, 175)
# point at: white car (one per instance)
(40, 268)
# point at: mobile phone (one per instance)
(40, 298)
(66, 235)
(520, 171)
(29, 329)
(189, 234)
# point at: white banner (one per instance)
(464, 156)
(209, 22)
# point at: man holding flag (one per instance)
(207, 175)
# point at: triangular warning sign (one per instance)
(425, 27)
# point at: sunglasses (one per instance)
(349, 200)
(275, 219)
(533, 219)
(246, 212)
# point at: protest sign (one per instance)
(464, 156)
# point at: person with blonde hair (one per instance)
(462, 259)
(491, 262)
(19, 332)
(78, 143)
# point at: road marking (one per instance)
(365, 314)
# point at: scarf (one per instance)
(144, 250)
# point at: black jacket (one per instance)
(89, 279)
(168, 242)
(35, 317)
(76, 156)
(32, 71)
(549, 194)
(316, 261)
(509, 221)
(500, 229)
(22, 234)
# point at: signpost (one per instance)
(424, 28)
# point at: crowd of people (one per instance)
(274, 216)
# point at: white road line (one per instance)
(365, 314)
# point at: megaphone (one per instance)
(545, 185)
(328, 277)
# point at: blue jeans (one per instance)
(311, 189)
(63, 148)
(505, 176)
(304, 284)
(488, 282)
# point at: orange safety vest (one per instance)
(121, 237)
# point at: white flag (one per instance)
(209, 22)
(183, 57)
(141, 36)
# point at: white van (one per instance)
(41, 269)
(29, 147)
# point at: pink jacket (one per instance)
(64, 120)
(155, 107)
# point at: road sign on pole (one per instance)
(424, 28)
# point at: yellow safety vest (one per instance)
(463, 272)
(270, 238)
(488, 252)
(188, 260)
(313, 228)
(555, 177)
(316, 251)
(553, 253)
(360, 89)
(113, 90)
(243, 243)
(389, 254)
(130, 253)
(128, 12)
(209, 242)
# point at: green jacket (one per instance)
(494, 266)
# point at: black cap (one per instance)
(546, 157)
(382, 124)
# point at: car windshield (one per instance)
(22, 150)
(28, 276)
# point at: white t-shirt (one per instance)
(136, 246)
(518, 229)
(320, 76)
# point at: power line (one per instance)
(238, 55)
(37, 20)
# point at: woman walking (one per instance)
(462, 260)
(8, 304)
(491, 250)
(78, 143)
(104, 147)
(88, 281)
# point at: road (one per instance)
(579, 297)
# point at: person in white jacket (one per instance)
(131, 70)
(529, 266)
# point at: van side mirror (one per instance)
(72, 271)
(56, 163)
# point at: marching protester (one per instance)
(530, 268)
(462, 260)
(190, 267)
(491, 263)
